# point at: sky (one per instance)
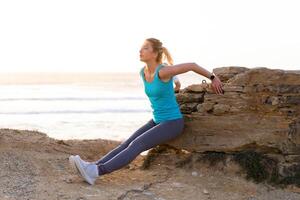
(105, 36)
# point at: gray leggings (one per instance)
(146, 137)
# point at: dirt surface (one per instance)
(34, 166)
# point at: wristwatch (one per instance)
(212, 77)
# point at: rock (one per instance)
(205, 107)
(194, 173)
(221, 109)
(294, 189)
(190, 97)
(234, 88)
(176, 184)
(147, 193)
(259, 111)
(188, 107)
(159, 198)
(197, 88)
(226, 73)
(276, 80)
(81, 198)
(205, 192)
(228, 133)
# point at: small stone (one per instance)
(159, 198)
(81, 198)
(147, 193)
(194, 173)
(68, 180)
(205, 191)
(176, 184)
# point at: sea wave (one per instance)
(74, 99)
(78, 111)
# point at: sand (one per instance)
(34, 166)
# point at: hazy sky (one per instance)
(72, 35)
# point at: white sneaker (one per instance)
(72, 163)
(89, 171)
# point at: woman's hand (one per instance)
(217, 85)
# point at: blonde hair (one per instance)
(162, 52)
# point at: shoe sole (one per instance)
(81, 170)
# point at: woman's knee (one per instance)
(123, 145)
(137, 146)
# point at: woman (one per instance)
(167, 122)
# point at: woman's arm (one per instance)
(172, 70)
(168, 71)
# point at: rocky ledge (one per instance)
(259, 112)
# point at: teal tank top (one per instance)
(162, 98)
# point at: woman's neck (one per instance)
(151, 66)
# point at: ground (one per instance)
(34, 166)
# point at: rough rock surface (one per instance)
(259, 110)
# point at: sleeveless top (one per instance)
(162, 98)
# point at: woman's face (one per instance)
(146, 52)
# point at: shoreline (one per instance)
(62, 78)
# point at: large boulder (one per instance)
(259, 110)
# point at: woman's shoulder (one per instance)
(162, 65)
(175, 78)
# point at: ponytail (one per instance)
(167, 56)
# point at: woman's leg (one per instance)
(159, 134)
(124, 144)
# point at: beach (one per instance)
(36, 167)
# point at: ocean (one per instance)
(89, 106)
